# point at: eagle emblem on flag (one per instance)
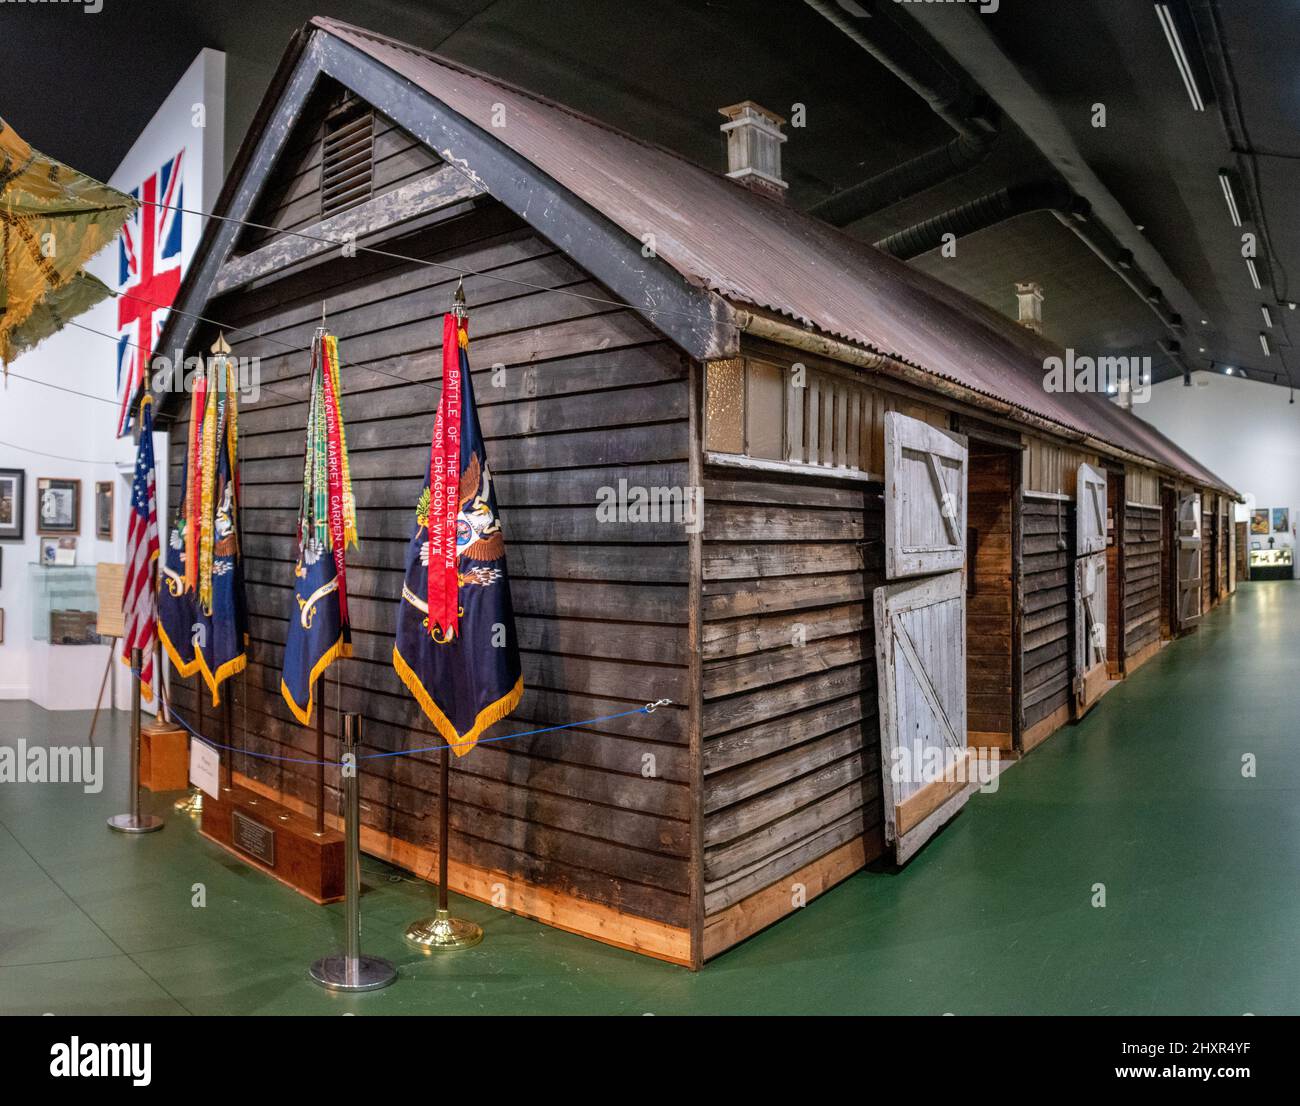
(456, 647)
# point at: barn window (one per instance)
(791, 416)
(347, 156)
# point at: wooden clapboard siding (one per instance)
(573, 396)
(1225, 532)
(791, 740)
(1053, 467)
(1047, 541)
(1209, 539)
(988, 596)
(1141, 577)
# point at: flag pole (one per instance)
(320, 756)
(442, 932)
(229, 710)
(134, 821)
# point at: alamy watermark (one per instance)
(920, 764)
(639, 503)
(1105, 375)
(90, 7)
(83, 764)
(986, 7)
(167, 377)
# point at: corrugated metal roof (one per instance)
(756, 251)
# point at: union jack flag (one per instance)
(148, 277)
(139, 590)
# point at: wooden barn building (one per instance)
(887, 487)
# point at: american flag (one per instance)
(148, 277)
(139, 594)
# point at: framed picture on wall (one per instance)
(13, 500)
(58, 506)
(1259, 520)
(104, 510)
(1281, 520)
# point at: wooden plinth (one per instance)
(164, 759)
(242, 822)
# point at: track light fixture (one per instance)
(1230, 196)
(1175, 40)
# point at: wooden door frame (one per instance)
(1014, 455)
(1169, 554)
(1116, 500)
(1011, 441)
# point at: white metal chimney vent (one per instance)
(754, 147)
(1030, 295)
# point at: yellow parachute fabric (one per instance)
(52, 221)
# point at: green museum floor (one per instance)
(1147, 796)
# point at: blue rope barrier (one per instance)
(649, 708)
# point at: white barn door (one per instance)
(1090, 600)
(921, 659)
(1090, 515)
(920, 623)
(1089, 630)
(925, 498)
(1189, 558)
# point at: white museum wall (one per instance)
(1243, 430)
(66, 426)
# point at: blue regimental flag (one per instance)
(456, 648)
(178, 624)
(319, 630)
(202, 609)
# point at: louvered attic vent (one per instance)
(347, 157)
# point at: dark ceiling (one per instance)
(661, 69)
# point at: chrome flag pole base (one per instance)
(364, 973)
(444, 933)
(135, 823)
(189, 804)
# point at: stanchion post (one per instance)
(134, 821)
(320, 756)
(352, 971)
(442, 932)
(230, 742)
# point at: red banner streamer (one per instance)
(444, 486)
(334, 474)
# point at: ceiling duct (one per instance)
(972, 118)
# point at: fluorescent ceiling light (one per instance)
(1254, 273)
(1268, 315)
(1180, 55)
(1263, 341)
(1225, 182)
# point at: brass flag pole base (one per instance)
(189, 804)
(442, 932)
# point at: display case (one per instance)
(1271, 564)
(63, 595)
